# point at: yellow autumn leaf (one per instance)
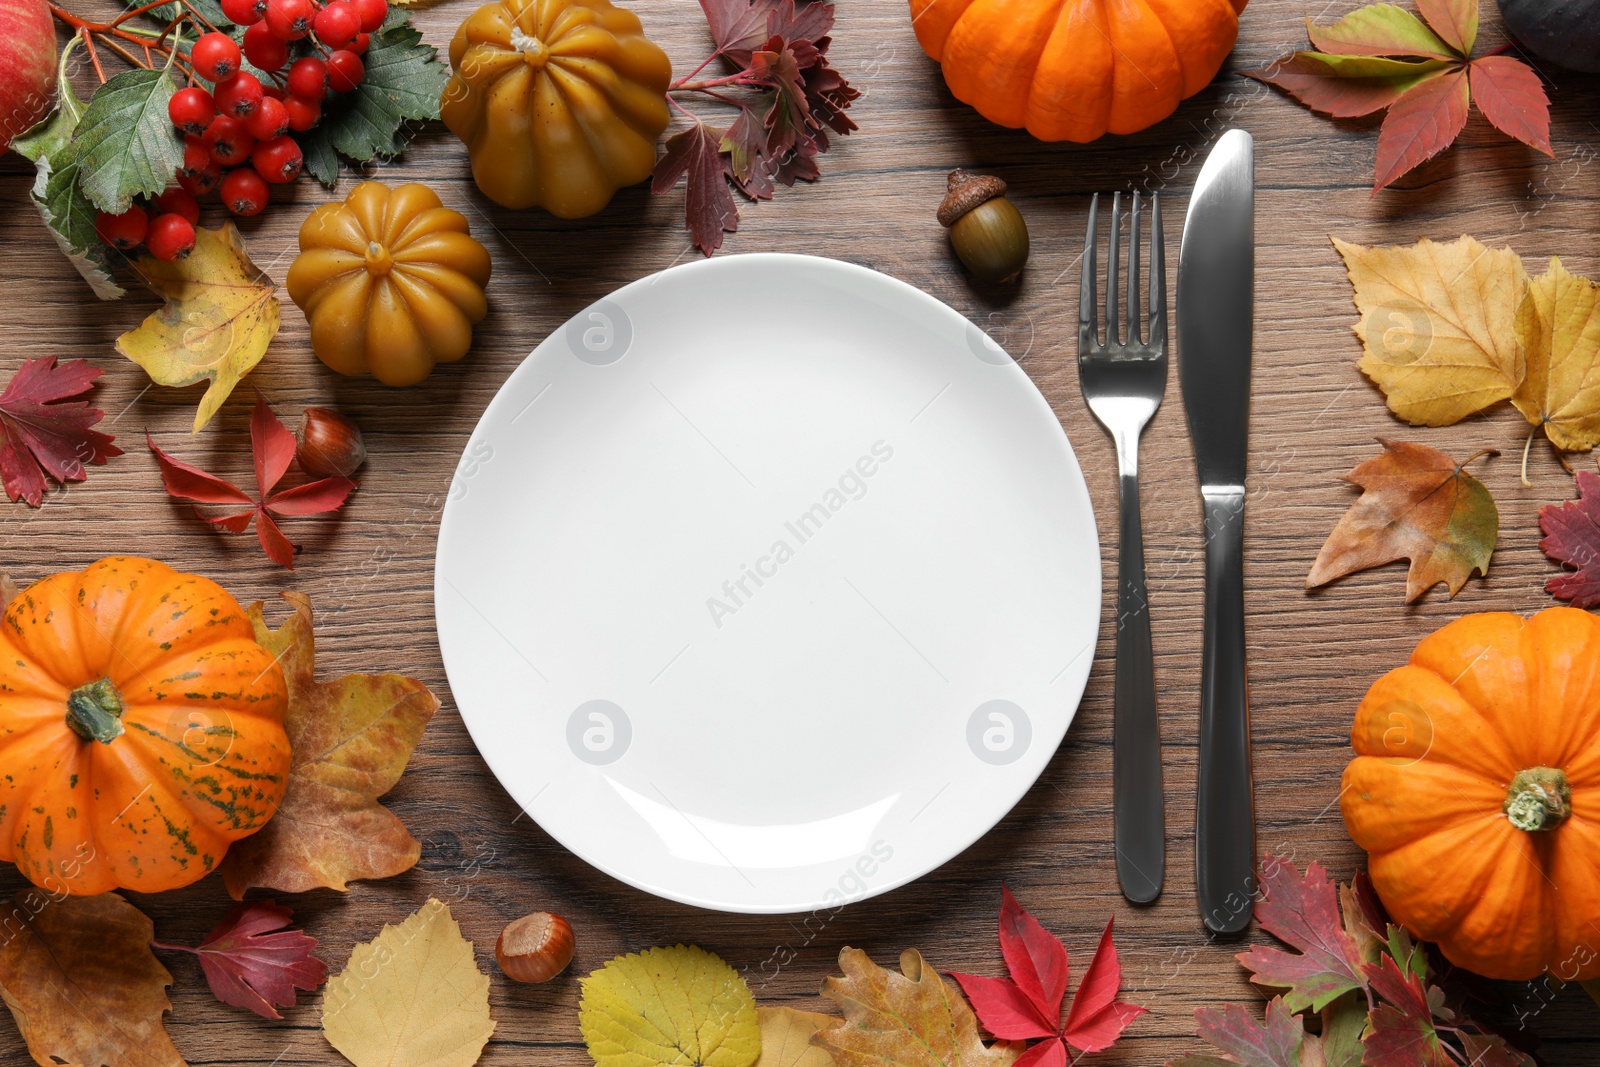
(1438, 325)
(786, 1038)
(680, 1006)
(411, 997)
(220, 315)
(1559, 327)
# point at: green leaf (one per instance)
(1372, 66)
(403, 81)
(1379, 30)
(126, 145)
(1342, 1024)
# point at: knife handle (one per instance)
(1225, 815)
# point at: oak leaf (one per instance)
(411, 997)
(1416, 503)
(1438, 325)
(1558, 325)
(913, 1018)
(1572, 536)
(786, 1037)
(82, 983)
(252, 960)
(351, 739)
(220, 315)
(669, 1006)
(43, 433)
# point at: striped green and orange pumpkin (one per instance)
(141, 728)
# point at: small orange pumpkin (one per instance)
(141, 728)
(1075, 70)
(1476, 792)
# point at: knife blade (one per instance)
(1215, 312)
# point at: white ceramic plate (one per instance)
(767, 584)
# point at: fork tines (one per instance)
(1127, 340)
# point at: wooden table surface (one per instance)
(1314, 416)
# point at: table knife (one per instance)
(1215, 310)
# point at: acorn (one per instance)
(328, 445)
(986, 230)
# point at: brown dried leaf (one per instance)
(786, 1038)
(352, 738)
(82, 983)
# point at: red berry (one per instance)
(191, 110)
(202, 181)
(171, 237)
(372, 13)
(345, 71)
(359, 45)
(244, 191)
(122, 231)
(308, 78)
(215, 56)
(270, 120)
(263, 49)
(273, 91)
(303, 113)
(239, 95)
(337, 24)
(244, 12)
(277, 160)
(178, 202)
(230, 143)
(290, 20)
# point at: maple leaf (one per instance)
(912, 1018)
(1438, 325)
(411, 997)
(252, 961)
(220, 314)
(272, 444)
(1416, 503)
(82, 983)
(46, 434)
(1572, 537)
(1401, 1030)
(665, 1007)
(1559, 327)
(1304, 912)
(1028, 1004)
(1383, 57)
(351, 739)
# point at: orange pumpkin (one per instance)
(141, 728)
(1476, 792)
(1075, 70)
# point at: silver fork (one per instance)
(1123, 379)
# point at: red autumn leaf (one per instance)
(251, 960)
(1421, 124)
(1303, 912)
(1028, 1003)
(1572, 537)
(44, 433)
(1512, 97)
(1310, 80)
(1401, 1032)
(1242, 1040)
(1456, 21)
(708, 203)
(272, 447)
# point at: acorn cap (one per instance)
(967, 191)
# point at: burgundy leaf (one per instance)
(1402, 988)
(1456, 21)
(313, 498)
(272, 445)
(1511, 96)
(1572, 537)
(45, 433)
(251, 961)
(1303, 912)
(738, 26)
(809, 22)
(1097, 1018)
(1421, 124)
(1003, 1008)
(1314, 84)
(787, 119)
(697, 153)
(273, 543)
(1236, 1033)
(1035, 958)
(188, 482)
(745, 144)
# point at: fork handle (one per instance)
(1136, 754)
(1225, 815)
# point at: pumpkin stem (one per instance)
(1539, 798)
(94, 711)
(379, 259)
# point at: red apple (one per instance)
(27, 66)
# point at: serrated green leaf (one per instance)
(403, 81)
(1379, 30)
(126, 144)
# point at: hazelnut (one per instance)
(328, 445)
(534, 948)
(986, 230)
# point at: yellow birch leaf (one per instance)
(680, 1006)
(1438, 325)
(1559, 327)
(220, 315)
(786, 1038)
(411, 997)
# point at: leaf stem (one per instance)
(741, 78)
(94, 57)
(703, 65)
(174, 948)
(1526, 447)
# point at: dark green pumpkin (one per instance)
(1565, 32)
